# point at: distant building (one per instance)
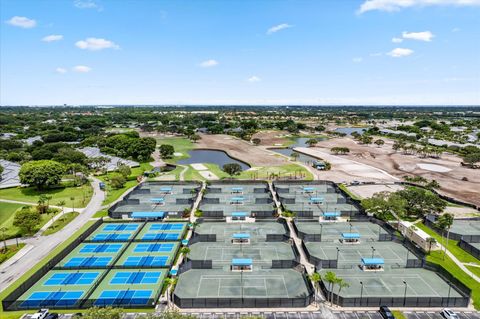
(114, 162)
(7, 136)
(9, 176)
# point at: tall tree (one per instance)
(445, 222)
(44, 173)
(232, 169)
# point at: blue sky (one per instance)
(239, 52)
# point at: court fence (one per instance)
(430, 221)
(469, 248)
(11, 302)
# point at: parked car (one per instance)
(386, 313)
(53, 315)
(449, 314)
(40, 314)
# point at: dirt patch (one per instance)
(366, 191)
(241, 150)
(399, 165)
(272, 138)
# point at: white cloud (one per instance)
(85, 4)
(400, 52)
(376, 54)
(52, 38)
(397, 40)
(96, 44)
(357, 60)
(396, 5)
(22, 22)
(61, 70)
(81, 69)
(279, 27)
(456, 30)
(253, 79)
(420, 36)
(209, 63)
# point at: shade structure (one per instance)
(237, 199)
(165, 189)
(241, 236)
(372, 261)
(309, 189)
(148, 214)
(239, 214)
(331, 214)
(350, 235)
(237, 189)
(157, 200)
(242, 262)
(316, 199)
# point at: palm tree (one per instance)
(294, 156)
(315, 279)
(341, 284)
(73, 203)
(4, 229)
(185, 251)
(331, 278)
(445, 222)
(62, 204)
(431, 241)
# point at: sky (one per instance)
(315, 52)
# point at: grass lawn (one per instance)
(192, 175)
(7, 210)
(11, 250)
(461, 254)
(60, 223)
(264, 172)
(101, 213)
(437, 258)
(475, 270)
(114, 194)
(180, 144)
(82, 194)
(13, 231)
(346, 190)
(398, 314)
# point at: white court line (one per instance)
(285, 285)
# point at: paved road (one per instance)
(37, 247)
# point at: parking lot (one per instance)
(307, 315)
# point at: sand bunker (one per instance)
(177, 154)
(199, 167)
(434, 167)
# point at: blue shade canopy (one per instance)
(309, 189)
(148, 214)
(239, 214)
(237, 188)
(185, 242)
(372, 261)
(241, 236)
(165, 189)
(158, 199)
(331, 214)
(351, 235)
(237, 198)
(242, 262)
(316, 199)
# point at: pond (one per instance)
(211, 156)
(350, 130)
(299, 142)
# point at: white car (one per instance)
(449, 314)
(41, 314)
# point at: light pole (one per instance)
(449, 288)
(350, 227)
(321, 231)
(408, 252)
(405, 293)
(373, 251)
(338, 250)
(361, 292)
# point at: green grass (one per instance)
(13, 231)
(180, 144)
(346, 190)
(264, 172)
(101, 213)
(114, 194)
(437, 258)
(192, 175)
(60, 223)
(475, 270)
(32, 270)
(7, 210)
(82, 194)
(11, 250)
(398, 314)
(461, 254)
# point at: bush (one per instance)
(117, 181)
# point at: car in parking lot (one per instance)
(52, 315)
(449, 314)
(386, 313)
(40, 314)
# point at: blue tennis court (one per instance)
(111, 237)
(49, 299)
(72, 278)
(120, 227)
(88, 262)
(142, 248)
(124, 297)
(100, 248)
(146, 261)
(161, 236)
(166, 227)
(138, 277)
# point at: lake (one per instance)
(211, 156)
(350, 130)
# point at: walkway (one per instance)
(38, 247)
